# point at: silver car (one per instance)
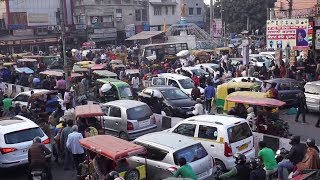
(312, 93)
(164, 150)
(128, 119)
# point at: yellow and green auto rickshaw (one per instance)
(225, 89)
(119, 90)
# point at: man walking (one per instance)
(302, 107)
(67, 163)
(209, 93)
(73, 144)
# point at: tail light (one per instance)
(153, 118)
(130, 126)
(227, 150)
(7, 150)
(47, 141)
(172, 169)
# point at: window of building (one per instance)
(173, 10)
(96, 19)
(167, 10)
(157, 11)
(144, 15)
(199, 11)
(138, 15)
(118, 13)
(190, 11)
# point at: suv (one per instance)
(312, 93)
(221, 135)
(164, 151)
(128, 119)
(16, 136)
(168, 100)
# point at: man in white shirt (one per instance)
(73, 144)
(3, 87)
(103, 57)
(198, 108)
(135, 83)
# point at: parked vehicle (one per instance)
(221, 135)
(128, 119)
(210, 67)
(164, 151)
(167, 100)
(119, 90)
(259, 60)
(17, 136)
(312, 93)
(191, 71)
(269, 54)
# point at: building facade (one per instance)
(195, 12)
(107, 21)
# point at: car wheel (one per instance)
(132, 174)
(219, 110)
(123, 136)
(167, 111)
(221, 165)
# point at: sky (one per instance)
(207, 1)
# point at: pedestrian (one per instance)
(209, 93)
(195, 92)
(73, 145)
(302, 107)
(67, 163)
(68, 99)
(198, 108)
(61, 85)
(135, 84)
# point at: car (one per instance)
(167, 100)
(312, 93)
(191, 71)
(288, 89)
(182, 82)
(16, 136)
(128, 119)
(209, 67)
(259, 60)
(240, 79)
(164, 150)
(269, 54)
(221, 135)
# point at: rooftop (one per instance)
(217, 119)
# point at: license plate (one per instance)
(144, 123)
(243, 147)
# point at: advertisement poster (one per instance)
(317, 40)
(287, 33)
(130, 30)
(217, 27)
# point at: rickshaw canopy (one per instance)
(24, 69)
(59, 73)
(89, 110)
(132, 71)
(116, 61)
(9, 63)
(111, 147)
(33, 57)
(85, 64)
(27, 60)
(99, 67)
(78, 68)
(256, 101)
(105, 73)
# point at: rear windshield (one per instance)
(191, 153)
(23, 135)
(312, 89)
(139, 113)
(239, 132)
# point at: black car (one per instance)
(169, 100)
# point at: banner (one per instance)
(217, 27)
(130, 30)
(287, 33)
(317, 40)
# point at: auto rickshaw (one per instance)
(225, 89)
(31, 63)
(85, 64)
(130, 73)
(99, 67)
(116, 150)
(104, 74)
(119, 90)
(59, 73)
(90, 115)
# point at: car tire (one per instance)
(167, 111)
(132, 174)
(221, 164)
(123, 136)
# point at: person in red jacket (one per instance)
(282, 71)
(196, 80)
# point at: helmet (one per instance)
(254, 163)
(294, 140)
(113, 175)
(240, 158)
(311, 142)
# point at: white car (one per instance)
(164, 151)
(211, 67)
(269, 54)
(16, 136)
(239, 79)
(191, 71)
(259, 60)
(221, 135)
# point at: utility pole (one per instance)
(290, 8)
(63, 39)
(248, 22)
(211, 18)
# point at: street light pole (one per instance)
(63, 39)
(211, 18)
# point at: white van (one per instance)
(182, 82)
(221, 135)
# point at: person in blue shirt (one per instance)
(209, 93)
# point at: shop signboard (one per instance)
(38, 18)
(130, 30)
(80, 26)
(23, 32)
(105, 31)
(317, 40)
(18, 20)
(287, 33)
(146, 26)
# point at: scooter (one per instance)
(38, 174)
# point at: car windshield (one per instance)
(173, 94)
(125, 92)
(260, 58)
(198, 72)
(142, 112)
(186, 83)
(191, 153)
(312, 89)
(239, 132)
(23, 135)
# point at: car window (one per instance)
(23, 135)
(173, 83)
(284, 86)
(23, 98)
(191, 153)
(125, 92)
(208, 132)
(239, 132)
(142, 112)
(174, 94)
(153, 153)
(186, 83)
(115, 112)
(106, 109)
(185, 129)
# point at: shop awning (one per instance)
(144, 35)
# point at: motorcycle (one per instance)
(38, 174)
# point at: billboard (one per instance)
(217, 27)
(317, 40)
(287, 33)
(130, 30)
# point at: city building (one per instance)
(108, 21)
(33, 25)
(195, 12)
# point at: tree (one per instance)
(236, 12)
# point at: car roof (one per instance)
(268, 52)
(277, 80)
(125, 103)
(168, 141)
(35, 91)
(223, 120)
(15, 123)
(162, 87)
(173, 75)
(317, 83)
(256, 55)
(240, 78)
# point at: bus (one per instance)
(161, 51)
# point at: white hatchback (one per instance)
(221, 135)
(16, 136)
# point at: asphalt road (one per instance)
(304, 130)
